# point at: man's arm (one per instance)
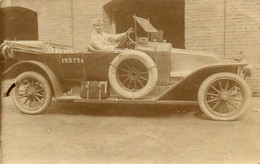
(116, 37)
(97, 44)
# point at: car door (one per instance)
(72, 66)
(97, 65)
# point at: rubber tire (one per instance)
(147, 61)
(212, 78)
(46, 86)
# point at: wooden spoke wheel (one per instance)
(224, 96)
(32, 93)
(133, 74)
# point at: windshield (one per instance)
(145, 24)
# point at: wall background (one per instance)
(226, 27)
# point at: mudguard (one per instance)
(187, 88)
(55, 84)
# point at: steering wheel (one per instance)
(125, 38)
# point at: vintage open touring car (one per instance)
(141, 71)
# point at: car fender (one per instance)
(187, 88)
(55, 84)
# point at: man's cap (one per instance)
(97, 21)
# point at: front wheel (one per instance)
(32, 94)
(224, 96)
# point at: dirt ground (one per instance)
(87, 133)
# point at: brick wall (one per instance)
(226, 27)
(70, 22)
(65, 21)
(204, 26)
(84, 11)
(54, 18)
(251, 44)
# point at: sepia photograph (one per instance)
(130, 81)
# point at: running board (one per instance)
(125, 101)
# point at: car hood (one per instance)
(212, 55)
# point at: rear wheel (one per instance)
(32, 94)
(224, 96)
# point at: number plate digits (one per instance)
(72, 60)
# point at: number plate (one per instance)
(72, 60)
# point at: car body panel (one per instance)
(55, 83)
(182, 62)
(68, 69)
(187, 87)
(185, 62)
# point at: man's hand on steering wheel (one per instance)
(130, 30)
(125, 37)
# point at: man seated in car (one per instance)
(104, 41)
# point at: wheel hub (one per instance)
(31, 93)
(223, 96)
(133, 74)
